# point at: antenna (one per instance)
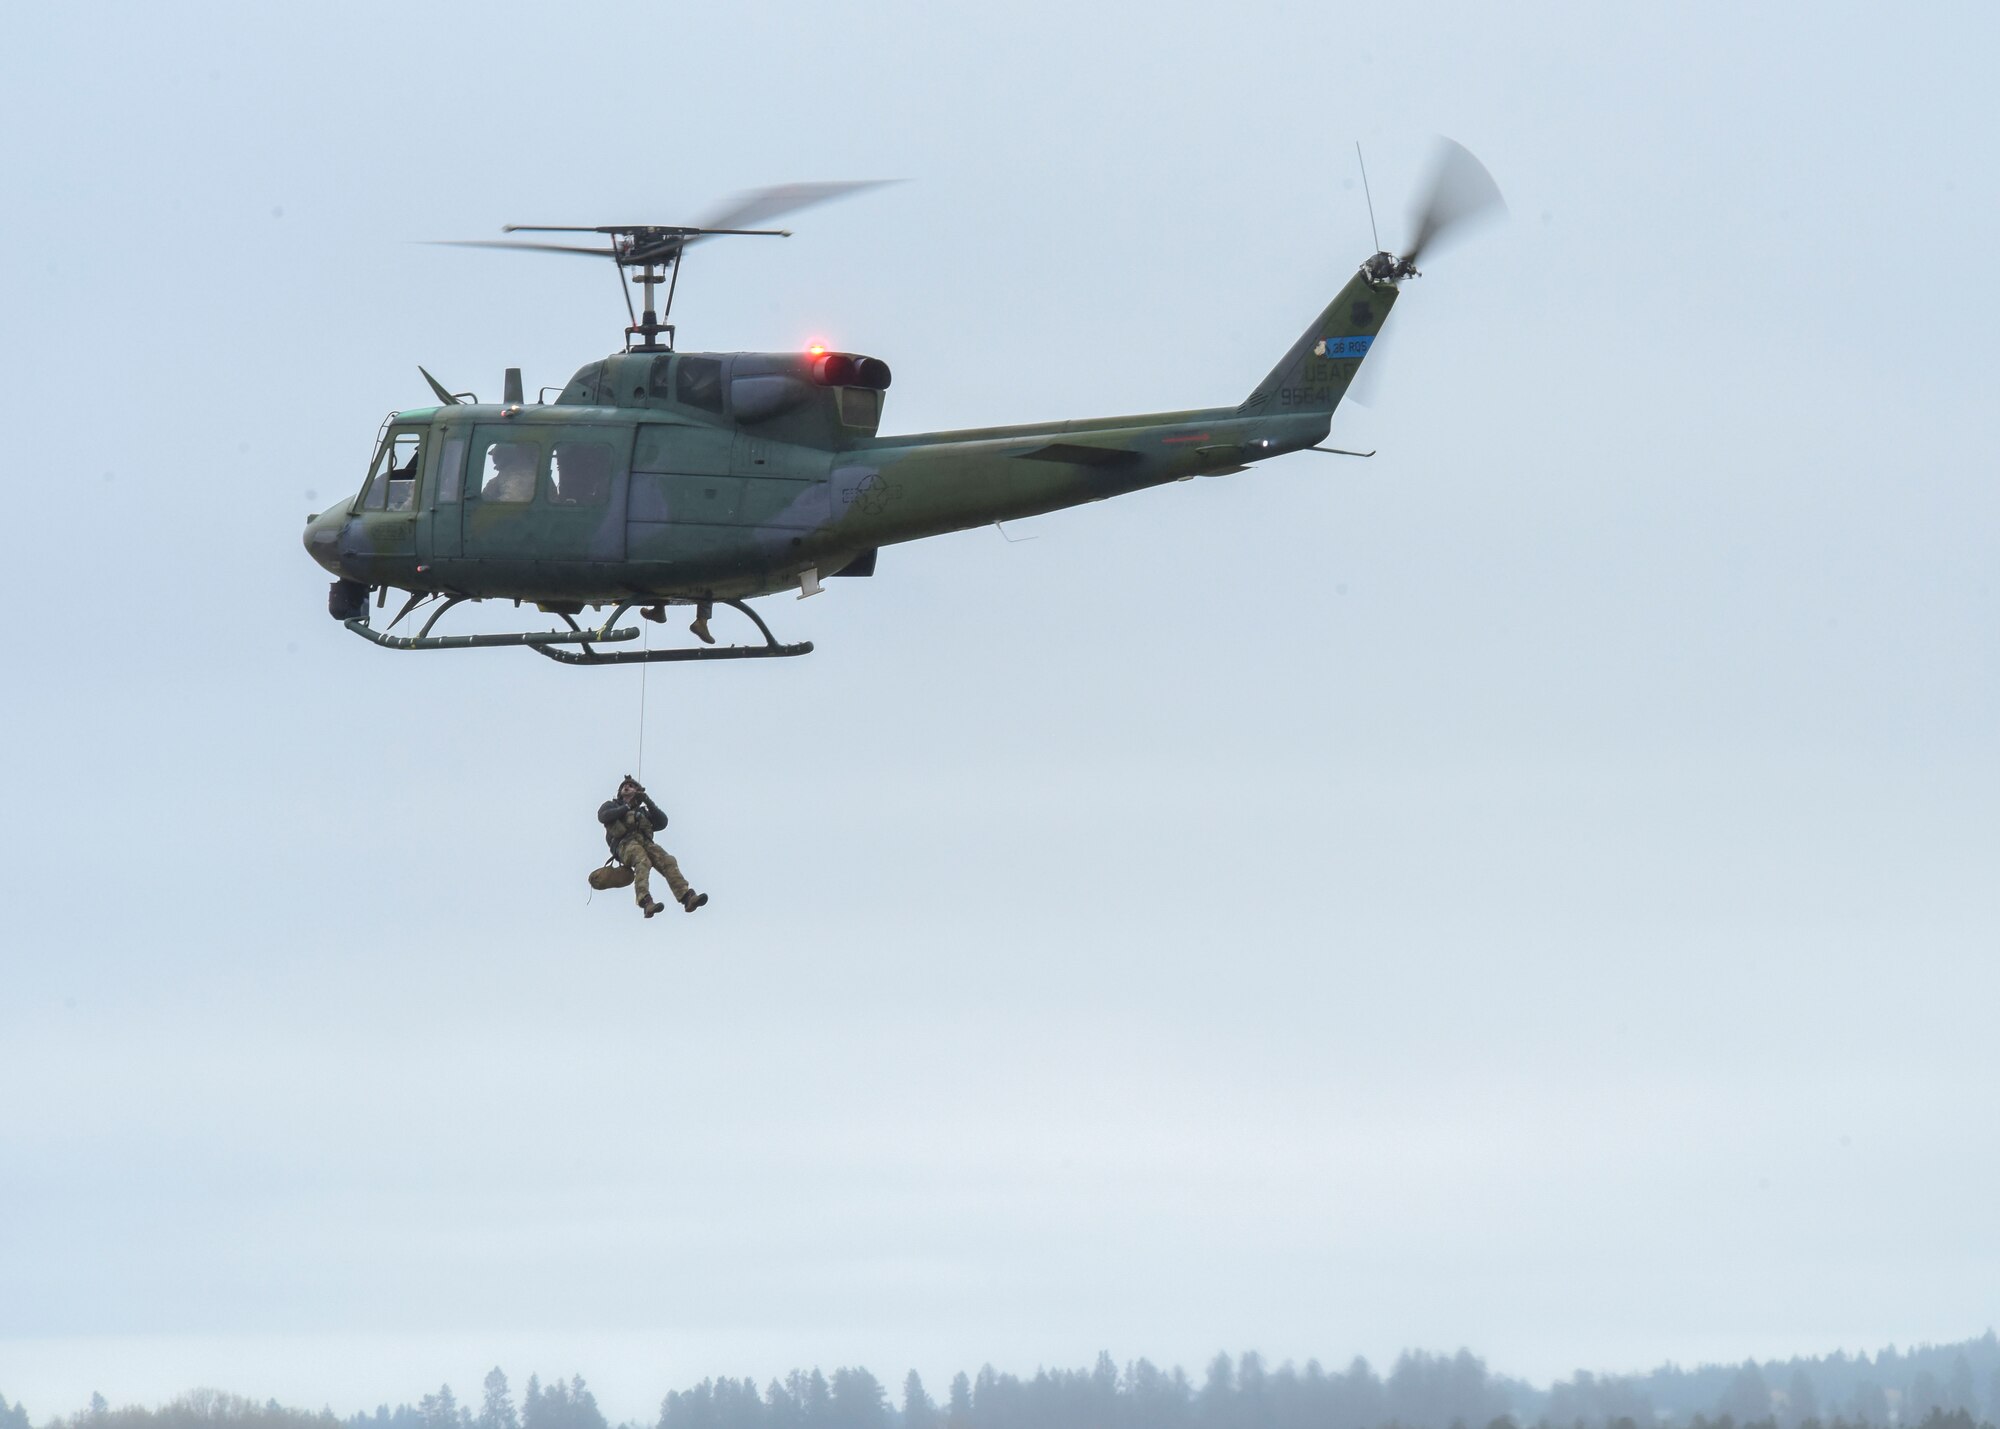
(1367, 195)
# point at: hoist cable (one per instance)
(639, 766)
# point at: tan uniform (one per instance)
(629, 832)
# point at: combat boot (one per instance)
(654, 905)
(693, 900)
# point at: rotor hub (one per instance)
(1388, 268)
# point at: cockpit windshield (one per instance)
(392, 486)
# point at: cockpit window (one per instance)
(580, 473)
(510, 471)
(699, 383)
(659, 380)
(393, 485)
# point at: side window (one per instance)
(509, 471)
(580, 473)
(451, 469)
(659, 380)
(393, 486)
(699, 383)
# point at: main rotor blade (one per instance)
(664, 230)
(519, 247)
(647, 244)
(1461, 193)
(759, 206)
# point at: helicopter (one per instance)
(661, 478)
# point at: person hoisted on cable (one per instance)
(630, 820)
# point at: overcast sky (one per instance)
(1534, 890)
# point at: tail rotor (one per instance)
(1460, 196)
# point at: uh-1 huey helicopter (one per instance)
(659, 477)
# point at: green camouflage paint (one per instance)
(690, 476)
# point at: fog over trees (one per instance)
(1932, 1387)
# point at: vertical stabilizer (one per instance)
(1314, 375)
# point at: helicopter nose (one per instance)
(322, 539)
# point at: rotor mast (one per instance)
(647, 327)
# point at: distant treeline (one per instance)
(1932, 1387)
(1421, 1391)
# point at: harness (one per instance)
(628, 824)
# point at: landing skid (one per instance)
(544, 642)
(769, 650)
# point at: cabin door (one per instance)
(584, 489)
(551, 498)
(441, 533)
